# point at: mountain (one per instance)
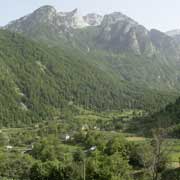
(49, 16)
(46, 23)
(114, 32)
(166, 45)
(116, 43)
(98, 62)
(118, 32)
(37, 82)
(150, 58)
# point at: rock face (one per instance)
(119, 32)
(60, 21)
(173, 32)
(115, 32)
(43, 15)
(71, 20)
(165, 44)
(157, 54)
(93, 19)
(48, 19)
(47, 24)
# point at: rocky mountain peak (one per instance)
(49, 16)
(116, 17)
(74, 12)
(46, 8)
(45, 13)
(121, 33)
(116, 31)
(72, 19)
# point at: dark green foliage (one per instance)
(42, 153)
(118, 145)
(173, 174)
(36, 82)
(15, 165)
(168, 118)
(51, 170)
(141, 155)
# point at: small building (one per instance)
(27, 151)
(96, 128)
(85, 127)
(9, 147)
(93, 148)
(67, 137)
(36, 126)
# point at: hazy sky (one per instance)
(161, 14)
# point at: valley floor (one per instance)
(74, 133)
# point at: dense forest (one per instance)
(37, 82)
(167, 118)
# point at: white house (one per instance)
(67, 137)
(9, 147)
(93, 148)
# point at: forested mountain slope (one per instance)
(168, 118)
(37, 82)
(101, 63)
(118, 44)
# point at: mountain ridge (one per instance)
(115, 35)
(117, 31)
(37, 82)
(140, 66)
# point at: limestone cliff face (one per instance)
(115, 32)
(93, 19)
(48, 17)
(119, 32)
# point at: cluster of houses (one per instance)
(66, 137)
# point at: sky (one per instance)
(159, 14)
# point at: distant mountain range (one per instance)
(157, 54)
(116, 31)
(57, 22)
(51, 58)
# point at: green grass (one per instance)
(174, 155)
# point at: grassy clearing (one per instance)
(136, 139)
(174, 155)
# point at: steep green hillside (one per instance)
(36, 82)
(168, 118)
(118, 45)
